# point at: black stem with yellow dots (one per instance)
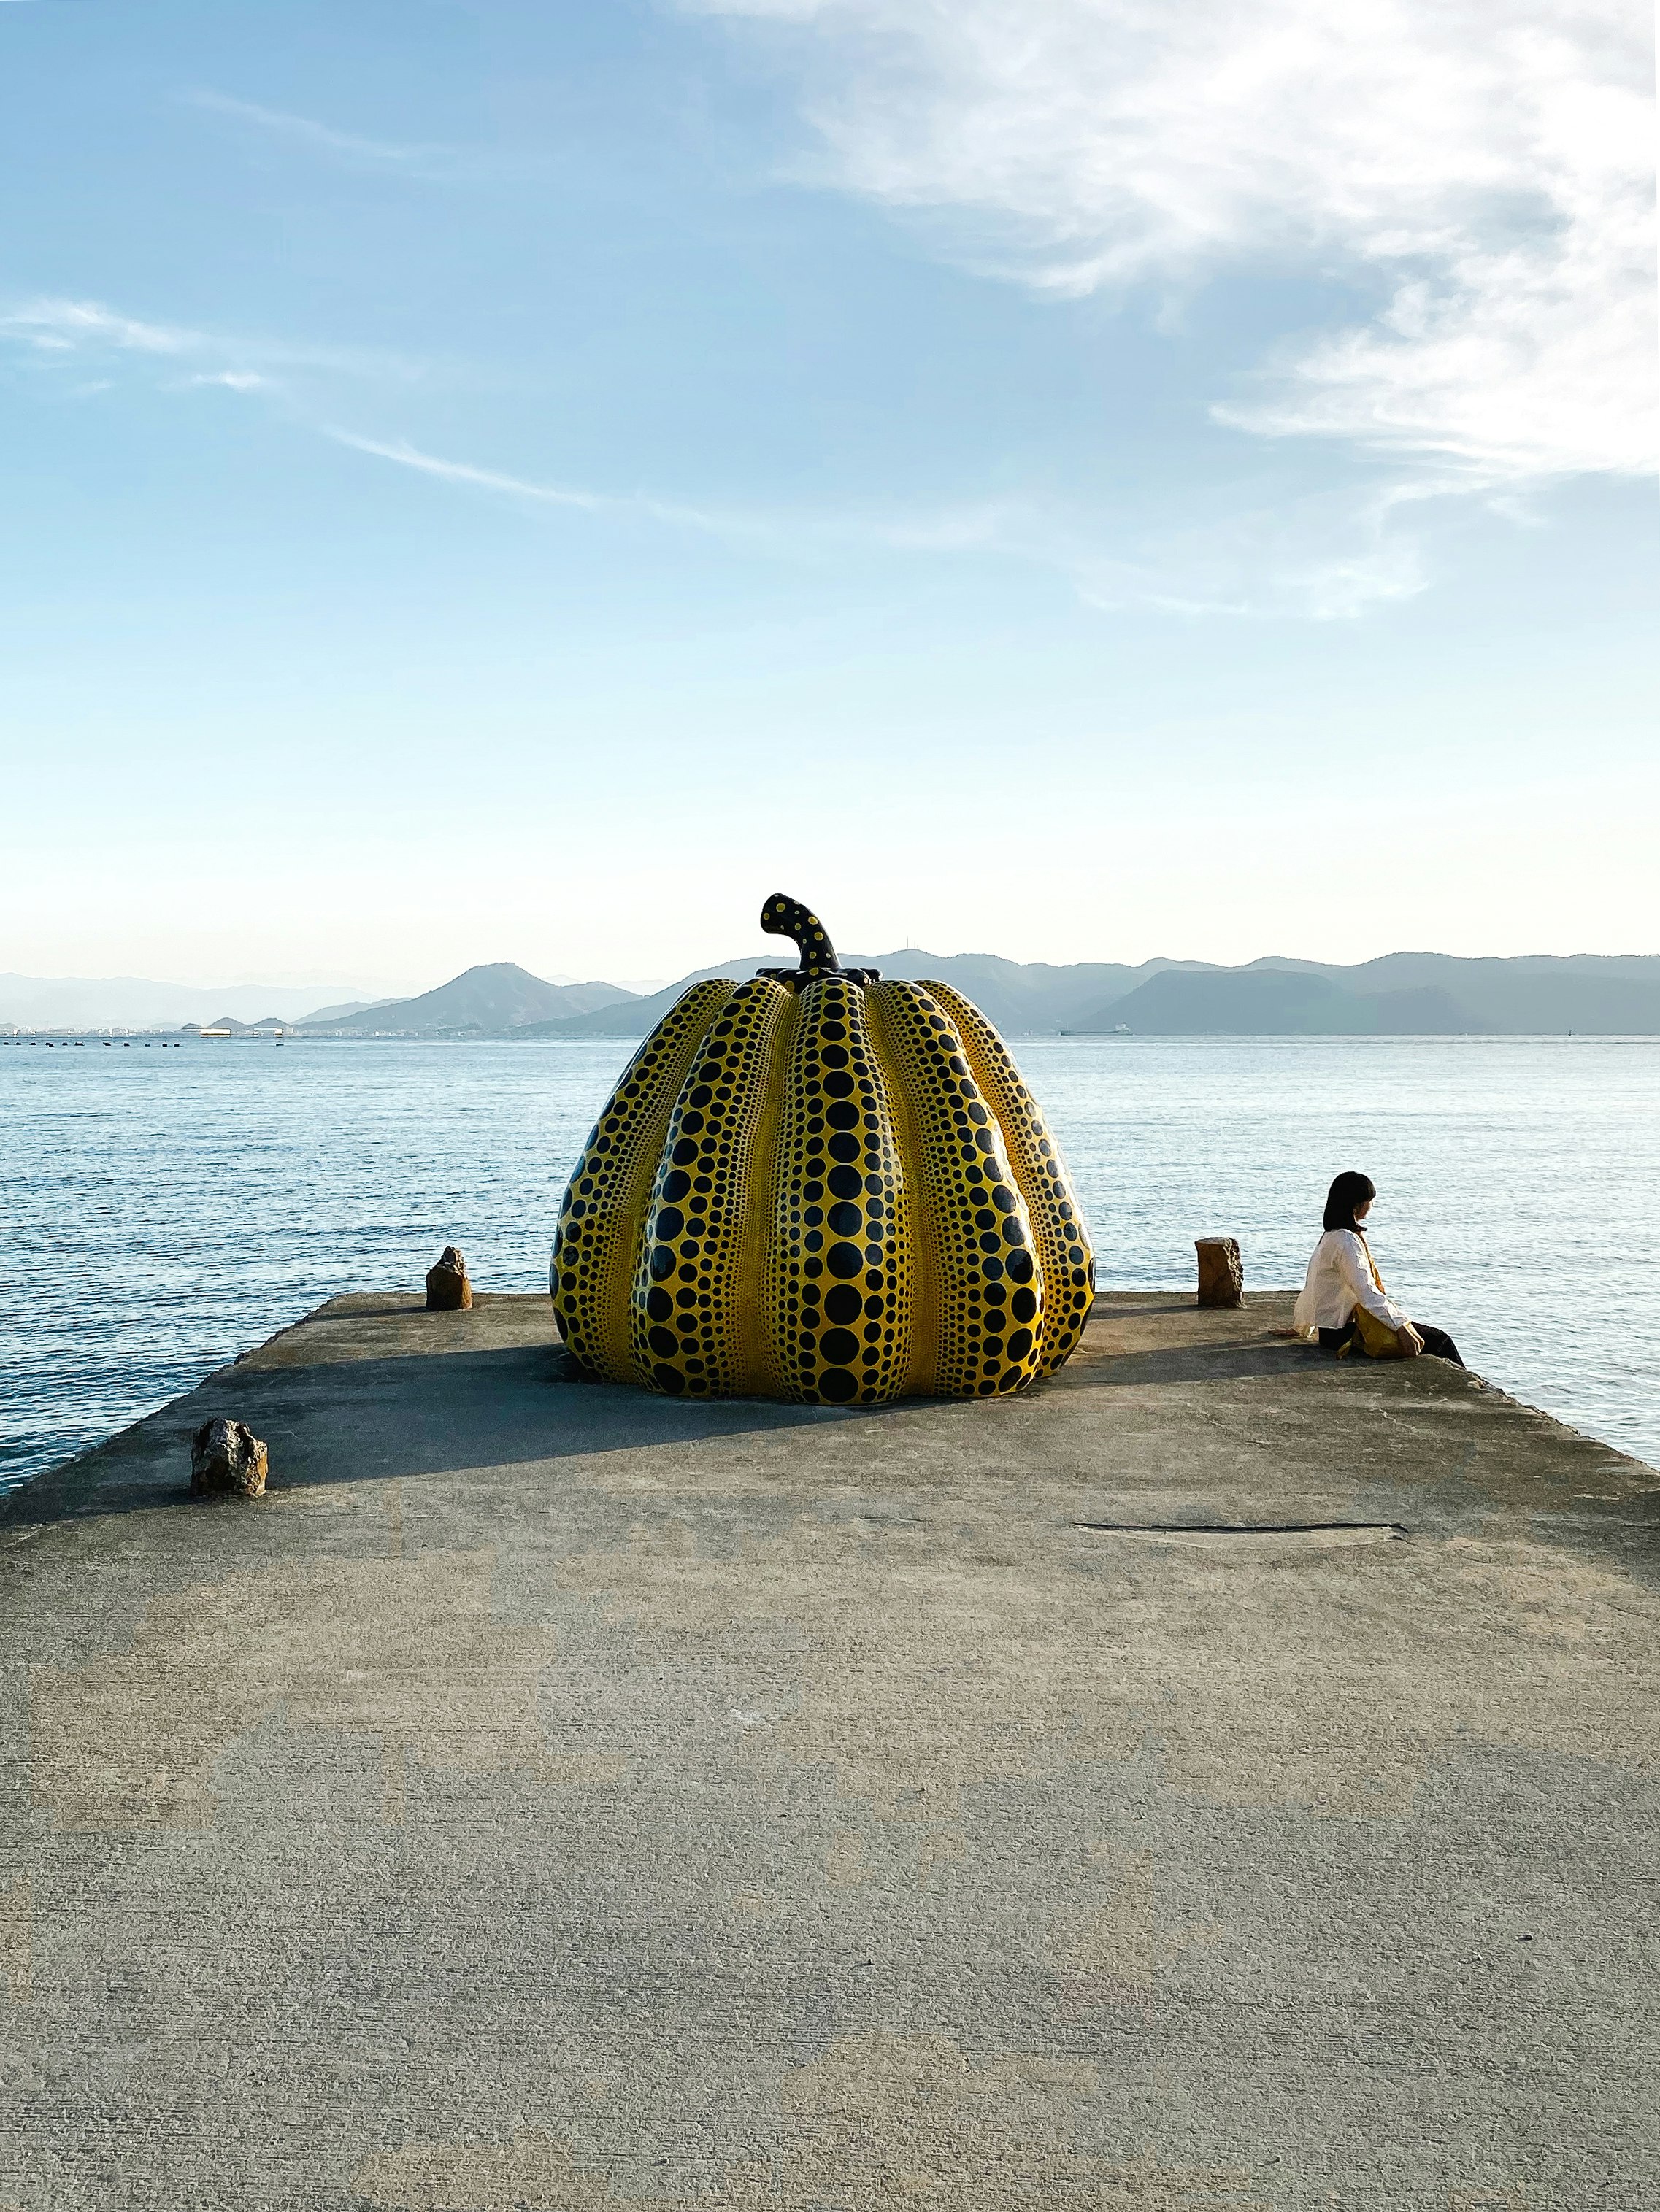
(783, 916)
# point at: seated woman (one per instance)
(1341, 1276)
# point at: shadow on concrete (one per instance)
(370, 1421)
(333, 1421)
(1202, 1363)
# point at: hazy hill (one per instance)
(1403, 993)
(134, 1002)
(1030, 998)
(499, 997)
(267, 1025)
(342, 1012)
(1281, 1002)
(1535, 995)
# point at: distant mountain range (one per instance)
(501, 998)
(133, 1002)
(1402, 994)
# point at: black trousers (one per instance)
(1437, 1342)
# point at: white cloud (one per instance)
(1488, 173)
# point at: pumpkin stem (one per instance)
(783, 916)
(787, 917)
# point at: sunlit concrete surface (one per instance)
(1221, 1781)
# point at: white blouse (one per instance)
(1339, 1280)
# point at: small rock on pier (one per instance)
(1221, 1274)
(225, 1455)
(448, 1287)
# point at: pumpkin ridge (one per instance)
(1059, 1228)
(688, 1296)
(923, 1240)
(836, 1295)
(592, 1274)
(987, 1267)
(760, 1373)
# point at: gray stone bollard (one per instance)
(448, 1290)
(1221, 1277)
(227, 1457)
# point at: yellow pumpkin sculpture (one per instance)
(819, 1186)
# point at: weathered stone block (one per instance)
(448, 1287)
(225, 1455)
(1222, 1276)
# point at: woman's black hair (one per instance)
(1347, 1191)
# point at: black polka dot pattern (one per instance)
(841, 1257)
(595, 1245)
(823, 1187)
(1057, 1221)
(694, 1310)
(783, 916)
(986, 1297)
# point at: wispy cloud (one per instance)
(1318, 560)
(67, 325)
(428, 161)
(1315, 559)
(542, 494)
(970, 528)
(321, 137)
(239, 362)
(1491, 175)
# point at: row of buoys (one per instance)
(79, 1043)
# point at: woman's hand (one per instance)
(1411, 1343)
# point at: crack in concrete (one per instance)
(1240, 1527)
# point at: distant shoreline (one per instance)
(60, 1039)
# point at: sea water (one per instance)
(163, 1209)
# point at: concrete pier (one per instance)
(1222, 1780)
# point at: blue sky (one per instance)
(511, 481)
